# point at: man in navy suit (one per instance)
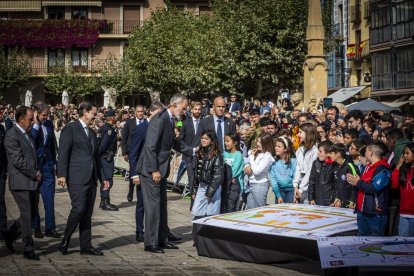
(45, 144)
(234, 106)
(218, 122)
(137, 143)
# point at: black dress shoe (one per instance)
(38, 234)
(52, 234)
(139, 237)
(173, 238)
(31, 255)
(168, 245)
(153, 249)
(107, 206)
(8, 241)
(63, 248)
(129, 196)
(91, 251)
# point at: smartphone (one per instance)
(327, 103)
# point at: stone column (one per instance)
(315, 67)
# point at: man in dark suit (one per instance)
(79, 168)
(154, 167)
(45, 144)
(137, 143)
(24, 177)
(188, 137)
(218, 122)
(234, 106)
(126, 134)
(3, 177)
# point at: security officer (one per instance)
(107, 151)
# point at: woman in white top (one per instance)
(305, 155)
(260, 159)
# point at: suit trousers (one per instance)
(47, 191)
(155, 209)
(83, 200)
(139, 211)
(25, 200)
(3, 210)
(108, 170)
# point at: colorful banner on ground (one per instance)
(366, 251)
(290, 220)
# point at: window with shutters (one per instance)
(132, 17)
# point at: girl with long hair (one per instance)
(260, 161)
(209, 167)
(234, 164)
(402, 178)
(283, 171)
(305, 155)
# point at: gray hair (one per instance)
(40, 107)
(156, 105)
(177, 98)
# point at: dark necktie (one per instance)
(172, 122)
(220, 134)
(196, 125)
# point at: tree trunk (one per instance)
(259, 88)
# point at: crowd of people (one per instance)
(232, 153)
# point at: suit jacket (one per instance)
(45, 151)
(3, 157)
(159, 141)
(137, 144)
(236, 107)
(22, 161)
(188, 135)
(126, 134)
(208, 124)
(78, 158)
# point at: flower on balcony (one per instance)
(50, 33)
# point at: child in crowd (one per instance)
(209, 169)
(346, 192)
(354, 153)
(402, 178)
(350, 135)
(260, 160)
(283, 171)
(322, 190)
(373, 192)
(305, 155)
(234, 159)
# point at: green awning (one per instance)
(72, 3)
(24, 5)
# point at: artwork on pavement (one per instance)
(366, 251)
(291, 220)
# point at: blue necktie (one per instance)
(220, 135)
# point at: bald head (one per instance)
(219, 106)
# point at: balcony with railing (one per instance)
(41, 67)
(119, 27)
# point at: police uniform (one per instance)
(107, 152)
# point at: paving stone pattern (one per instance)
(114, 234)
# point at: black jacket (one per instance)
(211, 173)
(321, 183)
(346, 192)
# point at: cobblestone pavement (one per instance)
(114, 233)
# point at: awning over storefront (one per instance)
(23, 5)
(72, 3)
(396, 104)
(345, 93)
(370, 105)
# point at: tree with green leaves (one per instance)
(15, 69)
(77, 84)
(116, 75)
(178, 51)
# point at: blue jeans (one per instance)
(47, 191)
(287, 196)
(371, 225)
(257, 196)
(203, 207)
(406, 228)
